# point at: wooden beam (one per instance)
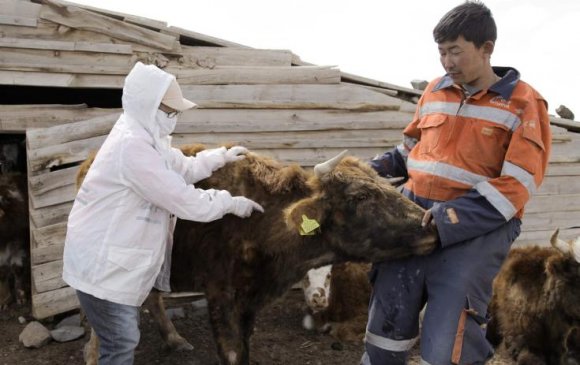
(20, 13)
(297, 139)
(289, 120)
(42, 183)
(99, 126)
(210, 57)
(20, 118)
(65, 153)
(54, 302)
(257, 75)
(23, 43)
(48, 236)
(47, 276)
(75, 17)
(63, 194)
(52, 215)
(341, 96)
(61, 80)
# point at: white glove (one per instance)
(243, 207)
(235, 153)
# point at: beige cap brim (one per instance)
(174, 99)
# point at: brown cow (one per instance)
(347, 298)
(535, 305)
(244, 264)
(14, 235)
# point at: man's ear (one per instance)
(488, 47)
(309, 207)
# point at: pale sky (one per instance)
(387, 40)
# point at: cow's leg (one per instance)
(91, 349)
(166, 328)
(225, 317)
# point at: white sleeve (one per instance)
(145, 171)
(194, 169)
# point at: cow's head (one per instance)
(316, 286)
(564, 273)
(360, 214)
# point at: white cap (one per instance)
(174, 99)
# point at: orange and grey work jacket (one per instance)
(475, 160)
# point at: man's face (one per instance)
(464, 62)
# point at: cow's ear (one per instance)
(309, 208)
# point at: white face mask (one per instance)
(166, 124)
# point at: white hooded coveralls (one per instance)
(117, 229)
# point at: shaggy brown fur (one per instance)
(535, 308)
(244, 264)
(346, 315)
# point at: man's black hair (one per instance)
(472, 20)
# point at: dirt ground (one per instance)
(279, 339)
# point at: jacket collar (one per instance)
(504, 87)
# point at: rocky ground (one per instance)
(279, 339)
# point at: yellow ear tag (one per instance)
(308, 226)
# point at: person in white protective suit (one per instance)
(118, 229)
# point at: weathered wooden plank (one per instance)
(20, 13)
(555, 185)
(42, 183)
(54, 302)
(75, 17)
(297, 139)
(17, 20)
(20, 118)
(565, 123)
(341, 96)
(191, 35)
(42, 255)
(42, 60)
(554, 203)
(279, 120)
(51, 215)
(40, 138)
(55, 196)
(564, 169)
(52, 156)
(61, 79)
(210, 57)
(550, 220)
(23, 43)
(49, 235)
(47, 276)
(257, 75)
(47, 30)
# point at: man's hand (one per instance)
(235, 153)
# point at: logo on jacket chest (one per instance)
(500, 101)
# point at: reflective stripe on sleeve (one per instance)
(497, 199)
(488, 113)
(389, 344)
(521, 175)
(447, 171)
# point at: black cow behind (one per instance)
(14, 239)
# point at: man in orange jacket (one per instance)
(475, 152)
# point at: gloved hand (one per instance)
(235, 153)
(243, 207)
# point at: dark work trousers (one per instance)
(455, 283)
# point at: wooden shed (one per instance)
(62, 67)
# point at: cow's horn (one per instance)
(575, 246)
(325, 167)
(559, 244)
